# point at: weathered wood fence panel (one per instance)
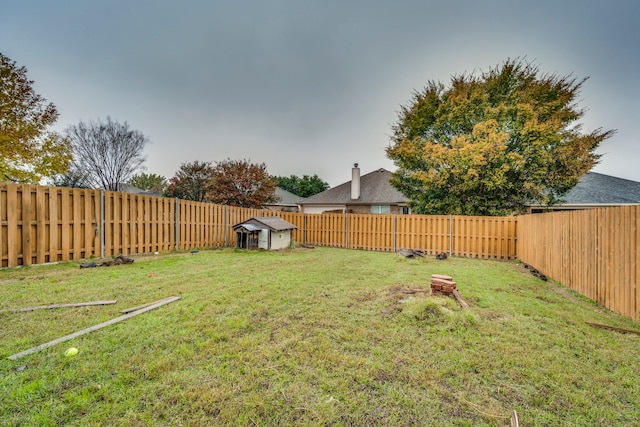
(427, 232)
(64, 224)
(46, 224)
(594, 252)
(326, 230)
(136, 223)
(483, 237)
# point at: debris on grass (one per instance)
(89, 265)
(411, 253)
(441, 256)
(535, 272)
(442, 284)
(459, 298)
(120, 259)
(514, 419)
(613, 328)
(93, 328)
(72, 304)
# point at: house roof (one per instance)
(273, 223)
(285, 198)
(596, 188)
(374, 189)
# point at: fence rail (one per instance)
(594, 252)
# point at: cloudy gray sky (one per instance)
(310, 87)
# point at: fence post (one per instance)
(176, 222)
(394, 231)
(346, 229)
(102, 224)
(226, 222)
(304, 228)
(450, 234)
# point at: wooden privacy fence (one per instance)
(595, 252)
(481, 237)
(48, 224)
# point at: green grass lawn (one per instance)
(311, 337)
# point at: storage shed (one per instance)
(269, 233)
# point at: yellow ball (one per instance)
(71, 352)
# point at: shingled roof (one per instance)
(374, 189)
(273, 223)
(596, 188)
(285, 198)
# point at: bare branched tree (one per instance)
(107, 154)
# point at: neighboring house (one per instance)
(370, 193)
(287, 201)
(596, 190)
(269, 233)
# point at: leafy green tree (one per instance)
(106, 154)
(304, 187)
(29, 149)
(492, 144)
(149, 182)
(241, 183)
(192, 181)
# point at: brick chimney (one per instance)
(355, 182)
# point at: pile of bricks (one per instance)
(442, 285)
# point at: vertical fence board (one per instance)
(54, 225)
(41, 226)
(25, 194)
(65, 229)
(4, 261)
(76, 223)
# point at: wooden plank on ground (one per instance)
(72, 304)
(460, 300)
(92, 328)
(129, 310)
(613, 328)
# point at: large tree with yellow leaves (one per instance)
(494, 143)
(29, 149)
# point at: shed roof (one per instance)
(375, 188)
(273, 223)
(248, 227)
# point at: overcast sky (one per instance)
(310, 87)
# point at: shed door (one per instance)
(263, 239)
